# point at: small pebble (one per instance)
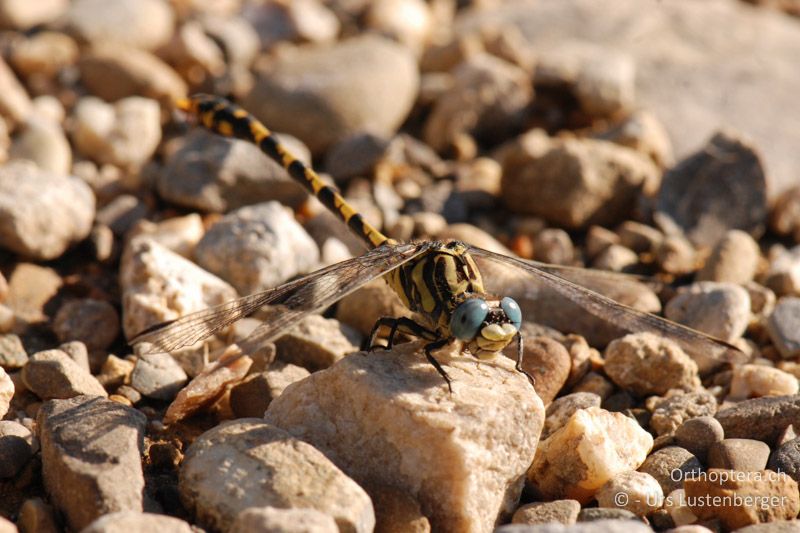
(93, 322)
(558, 511)
(670, 466)
(553, 246)
(744, 455)
(547, 361)
(637, 492)
(721, 310)
(12, 352)
(639, 237)
(734, 259)
(76, 350)
(681, 513)
(676, 255)
(616, 258)
(15, 448)
(561, 409)
(645, 133)
(297, 520)
(53, 374)
(783, 326)
(698, 434)
(764, 419)
(158, 375)
(252, 396)
(786, 459)
(669, 413)
(753, 381)
(603, 516)
(785, 218)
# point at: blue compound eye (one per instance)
(512, 311)
(467, 318)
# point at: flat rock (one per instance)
(137, 522)
(753, 491)
(677, 71)
(672, 411)
(783, 326)
(645, 364)
(249, 463)
(305, 520)
(388, 418)
(576, 182)
(158, 376)
(53, 374)
(721, 310)
(160, 285)
(91, 465)
(124, 134)
(145, 24)
(763, 419)
(587, 451)
(559, 511)
(42, 214)
(364, 83)
(218, 174)
(257, 247)
(670, 466)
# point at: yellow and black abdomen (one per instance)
(433, 284)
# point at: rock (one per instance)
(721, 310)
(44, 53)
(53, 374)
(553, 245)
(645, 363)
(409, 21)
(673, 411)
(783, 274)
(93, 322)
(743, 455)
(781, 526)
(754, 491)
(76, 350)
(760, 418)
(639, 237)
(36, 515)
(124, 134)
(7, 526)
(604, 515)
(12, 352)
(25, 15)
(42, 214)
(785, 217)
(44, 143)
(30, 288)
(605, 85)
(257, 247)
(577, 182)
(675, 504)
(786, 459)
(15, 104)
(670, 466)
(637, 492)
(581, 456)
(217, 174)
(643, 132)
(160, 285)
(719, 188)
(496, 93)
(364, 306)
(158, 375)
(299, 22)
(598, 239)
(316, 343)
(783, 326)
(396, 511)
(547, 361)
(115, 372)
(236, 36)
(114, 71)
(616, 258)
(178, 234)
(396, 428)
(734, 259)
(753, 381)
(264, 465)
(356, 155)
(91, 457)
(561, 409)
(698, 435)
(596, 384)
(303, 520)
(676, 255)
(559, 511)
(15, 447)
(361, 84)
(251, 397)
(121, 213)
(145, 24)
(137, 522)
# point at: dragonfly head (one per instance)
(486, 326)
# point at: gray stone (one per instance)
(248, 463)
(91, 463)
(721, 310)
(786, 458)
(670, 466)
(744, 455)
(673, 411)
(763, 419)
(362, 83)
(734, 259)
(559, 511)
(783, 326)
(608, 521)
(42, 214)
(698, 434)
(53, 374)
(93, 322)
(212, 173)
(158, 375)
(257, 247)
(137, 522)
(598, 514)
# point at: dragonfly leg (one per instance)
(435, 345)
(519, 360)
(403, 325)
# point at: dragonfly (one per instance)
(440, 282)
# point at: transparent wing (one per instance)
(707, 351)
(288, 303)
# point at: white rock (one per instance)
(6, 392)
(23, 15)
(675, 504)
(179, 234)
(590, 449)
(159, 285)
(145, 24)
(44, 143)
(257, 247)
(408, 21)
(721, 310)
(248, 463)
(158, 375)
(388, 417)
(136, 522)
(637, 492)
(753, 381)
(272, 519)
